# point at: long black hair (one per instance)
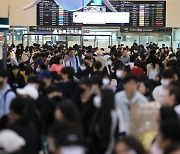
(103, 118)
(20, 107)
(70, 113)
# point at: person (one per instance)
(145, 88)
(171, 96)
(109, 68)
(173, 149)
(97, 69)
(20, 123)
(165, 113)
(159, 91)
(25, 56)
(121, 74)
(9, 138)
(66, 61)
(74, 60)
(57, 66)
(167, 134)
(125, 99)
(137, 70)
(108, 83)
(153, 68)
(46, 77)
(100, 59)
(84, 103)
(96, 85)
(67, 112)
(83, 71)
(68, 85)
(103, 132)
(6, 93)
(11, 61)
(129, 145)
(16, 79)
(125, 58)
(63, 138)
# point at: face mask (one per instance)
(97, 102)
(38, 70)
(1, 83)
(83, 68)
(118, 74)
(164, 82)
(105, 81)
(72, 149)
(135, 51)
(109, 62)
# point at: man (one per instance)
(125, 99)
(74, 60)
(6, 93)
(159, 92)
(125, 58)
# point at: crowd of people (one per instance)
(78, 100)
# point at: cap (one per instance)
(29, 90)
(10, 141)
(45, 74)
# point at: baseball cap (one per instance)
(45, 74)
(28, 90)
(10, 141)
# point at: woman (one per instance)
(104, 124)
(129, 145)
(137, 70)
(25, 55)
(67, 112)
(153, 68)
(145, 88)
(109, 68)
(57, 66)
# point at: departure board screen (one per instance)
(142, 13)
(50, 14)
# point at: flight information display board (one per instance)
(50, 14)
(142, 13)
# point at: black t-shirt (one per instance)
(30, 134)
(87, 110)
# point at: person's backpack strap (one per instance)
(5, 96)
(77, 63)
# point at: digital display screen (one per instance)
(141, 14)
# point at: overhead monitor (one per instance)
(141, 14)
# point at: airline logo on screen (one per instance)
(69, 5)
